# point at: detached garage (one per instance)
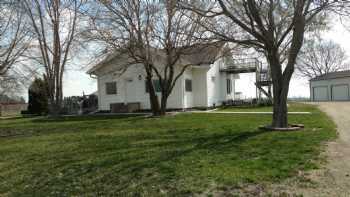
(330, 87)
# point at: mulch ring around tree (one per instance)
(291, 127)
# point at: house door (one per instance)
(188, 96)
(130, 91)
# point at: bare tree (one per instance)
(319, 57)
(146, 31)
(179, 35)
(275, 28)
(124, 27)
(9, 85)
(13, 36)
(53, 24)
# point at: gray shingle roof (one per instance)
(203, 53)
(199, 54)
(332, 75)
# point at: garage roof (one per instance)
(332, 75)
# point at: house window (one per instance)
(188, 85)
(228, 86)
(156, 85)
(111, 88)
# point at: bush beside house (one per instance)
(37, 97)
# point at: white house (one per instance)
(203, 85)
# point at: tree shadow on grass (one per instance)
(138, 164)
(75, 124)
(151, 164)
(163, 164)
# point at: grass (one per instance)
(292, 107)
(177, 155)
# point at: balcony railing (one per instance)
(236, 66)
(248, 65)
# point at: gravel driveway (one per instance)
(335, 181)
(334, 178)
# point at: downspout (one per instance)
(311, 93)
(92, 76)
(125, 81)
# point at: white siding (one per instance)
(213, 84)
(209, 87)
(175, 100)
(217, 85)
(132, 89)
(134, 93)
(199, 86)
(188, 96)
(230, 96)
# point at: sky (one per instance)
(77, 81)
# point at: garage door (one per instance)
(340, 92)
(321, 93)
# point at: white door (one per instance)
(188, 96)
(320, 93)
(130, 91)
(340, 92)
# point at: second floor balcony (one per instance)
(236, 66)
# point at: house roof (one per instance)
(332, 75)
(105, 60)
(199, 54)
(203, 53)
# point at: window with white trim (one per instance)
(188, 85)
(228, 86)
(111, 88)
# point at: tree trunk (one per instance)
(153, 97)
(54, 108)
(280, 110)
(280, 91)
(163, 105)
(281, 79)
(55, 97)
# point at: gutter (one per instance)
(92, 76)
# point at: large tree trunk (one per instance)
(280, 110)
(153, 97)
(281, 79)
(280, 91)
(163, 105)
(55, 106)
(55, 97)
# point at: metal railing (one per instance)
(240, 64)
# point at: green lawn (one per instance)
(292, 107)
(136, 156)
